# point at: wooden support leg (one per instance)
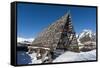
(49, 57)
(29, 50)
(38, 52)
(44, 55)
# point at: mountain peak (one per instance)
(86, 35)
(87, 32)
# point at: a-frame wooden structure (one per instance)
(59, 35)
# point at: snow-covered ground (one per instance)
(73, 56)
(34, 59)
(68, 56)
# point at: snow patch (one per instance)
(34, 59)
(73, 56)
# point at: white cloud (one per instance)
(86, 30)
(20, 39)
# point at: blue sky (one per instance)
(32, 18)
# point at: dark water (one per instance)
(23, 57)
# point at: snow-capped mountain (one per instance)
(25, 40)
(86, 35)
